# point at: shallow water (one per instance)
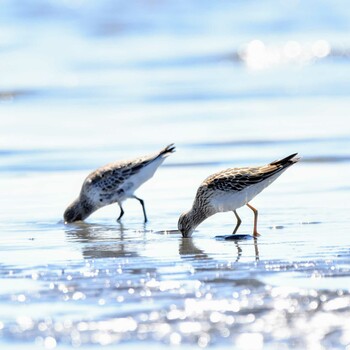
(85, 83)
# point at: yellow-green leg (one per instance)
(255, 230)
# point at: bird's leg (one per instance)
(239, 251)
(143, 207)
(256, 248)
(121, 212)
(255, 232)
(239, 221)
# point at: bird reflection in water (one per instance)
(240, 250)
(188, 250)
(103, 241)
(111, 241)
(237, 239)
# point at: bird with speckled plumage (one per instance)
(114, 183)
(229, 190)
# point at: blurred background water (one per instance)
(232, 83)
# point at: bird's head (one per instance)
(186, 224)
(74, 212)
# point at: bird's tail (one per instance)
(167, 150)
(285, 162)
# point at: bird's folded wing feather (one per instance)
(112, 176)
(237, 179)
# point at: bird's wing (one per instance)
(112, 177)
(237, 179)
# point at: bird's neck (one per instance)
(197, 215)
(86, 207)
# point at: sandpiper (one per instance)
(114, 183)
(229, 190)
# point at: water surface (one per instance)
(86, 83)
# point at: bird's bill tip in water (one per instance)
(185, 226)
(186, 234)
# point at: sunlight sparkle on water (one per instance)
(257, 55)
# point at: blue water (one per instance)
(232, 83)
